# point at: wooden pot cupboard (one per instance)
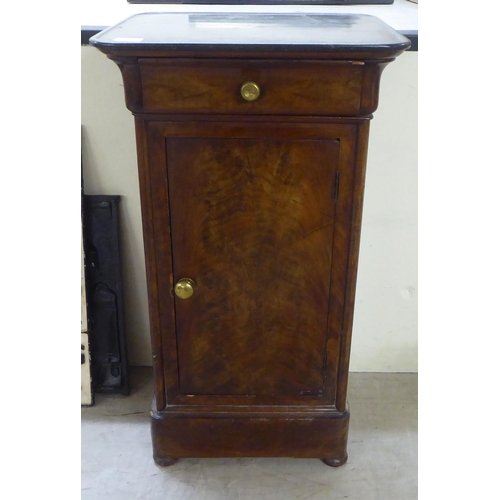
(252, 133)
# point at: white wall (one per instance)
(385, 323)
(385, 319)
(110, 167)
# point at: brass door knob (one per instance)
(184, 288)
(250, 91)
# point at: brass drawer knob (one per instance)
(250, 91)
(184, 288)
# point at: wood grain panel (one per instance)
(287, 88)
(276, 436)
(252, 225)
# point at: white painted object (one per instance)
(86, 380)
(85, 356)
(83, 293)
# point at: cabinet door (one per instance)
(257, 216)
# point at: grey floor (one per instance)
(117, 460)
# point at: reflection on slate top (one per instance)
(179, 30)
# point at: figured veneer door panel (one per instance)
(253, 222)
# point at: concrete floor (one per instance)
(117, 459)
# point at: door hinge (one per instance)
(337, 186)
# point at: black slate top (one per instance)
(232, 31)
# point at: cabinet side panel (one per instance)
(149, 250)
(352, 265)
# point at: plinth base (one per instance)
(296, 433)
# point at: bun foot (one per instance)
(165, 461)
(335, 462)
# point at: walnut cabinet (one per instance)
(252, 135)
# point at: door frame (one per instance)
(151, 134)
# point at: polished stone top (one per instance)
(238, 31)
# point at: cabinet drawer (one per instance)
(286, 87)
